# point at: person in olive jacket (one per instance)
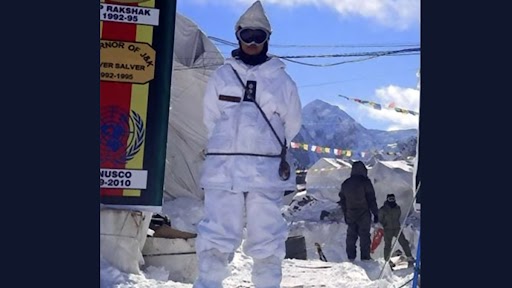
(389, 217)
(357, 201)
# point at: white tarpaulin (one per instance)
(393, 177)
(195, 58)
(324, 179)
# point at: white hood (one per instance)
(254, 17)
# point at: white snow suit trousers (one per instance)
(221, 230)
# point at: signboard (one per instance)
(136, 50)
(127, 14)
(129, 62)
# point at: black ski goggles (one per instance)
(250, 36)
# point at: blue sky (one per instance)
(385, 80)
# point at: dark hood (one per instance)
(252, 60)
(390, 204)
(359, 169)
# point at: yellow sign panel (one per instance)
(130, 62)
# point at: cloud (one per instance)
(398, 14)
(406, 98)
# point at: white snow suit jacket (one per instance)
(237, 126)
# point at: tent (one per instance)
(195, 59)
(393, 177)
(324, 178)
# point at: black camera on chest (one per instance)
(250, 91)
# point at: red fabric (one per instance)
(377, 238)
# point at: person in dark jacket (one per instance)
(357, 201)
(389, 217)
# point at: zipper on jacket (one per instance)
(236, 136)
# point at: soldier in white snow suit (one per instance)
(244, 175)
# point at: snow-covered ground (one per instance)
(303, 220)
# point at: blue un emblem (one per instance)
(121, 135)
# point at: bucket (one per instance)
(296, 248)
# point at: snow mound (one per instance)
(184, 213)
(152, 277)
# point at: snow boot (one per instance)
(267, 272)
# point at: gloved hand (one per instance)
(375, 219)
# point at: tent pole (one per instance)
(417, 265)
